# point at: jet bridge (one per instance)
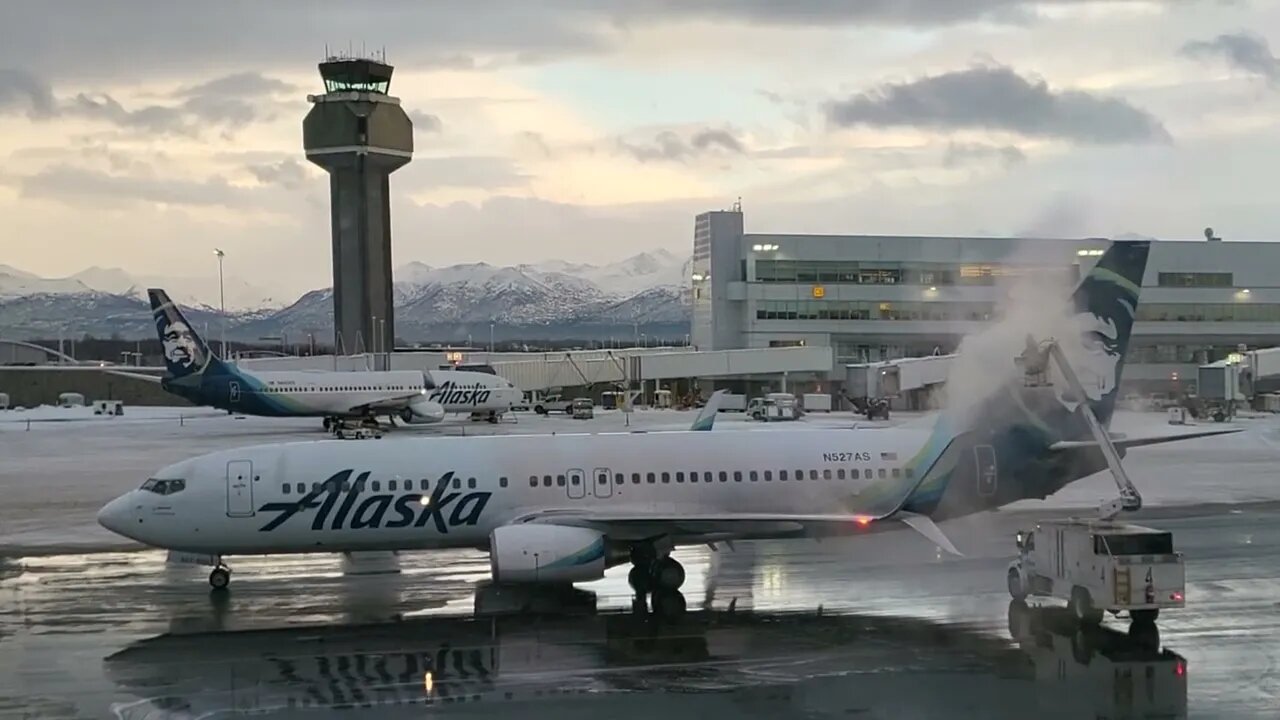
(871, 387)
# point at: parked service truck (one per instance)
(1099, 566)
(816, 402)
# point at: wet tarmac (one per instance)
(875, 627)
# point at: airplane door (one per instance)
(603, 486)
(233, 392)
(240, 488)
(577, 485)
(985, 460)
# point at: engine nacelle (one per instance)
(546, 554)
(422, 411)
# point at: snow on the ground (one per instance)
(1234, 468)
(59, 469)
(84, 413)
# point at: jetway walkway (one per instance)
(903, 378)
(1261, 364)
(576, 368)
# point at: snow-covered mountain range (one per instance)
(548, 300)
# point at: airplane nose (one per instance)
(115, 515)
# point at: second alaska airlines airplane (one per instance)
(414, 396)
(564, 508)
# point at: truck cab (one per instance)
(1099, 566)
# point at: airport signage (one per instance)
(343, 505)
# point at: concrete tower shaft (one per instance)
(360, 135)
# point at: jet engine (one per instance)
(546, 554)
(422, 411)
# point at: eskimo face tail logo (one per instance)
(452, 393)
(184, 352)
(1105, 306)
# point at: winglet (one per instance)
(927, 528)
(707, 416)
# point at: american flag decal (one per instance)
(888, 456)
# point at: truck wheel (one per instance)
(1019, 620)
(539, 410)
(1144, 617)
(1081, 649)
(1016, 589)
(1145, 635)
(1082, 609)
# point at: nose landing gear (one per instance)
(220, 578)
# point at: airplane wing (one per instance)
(707, 527)
(1128, 442)
(137, 376)
(388, 403)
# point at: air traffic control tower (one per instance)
(360, 135)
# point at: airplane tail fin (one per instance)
(1105, 306)
(1002, 449)
(185, 352)
(707, 416)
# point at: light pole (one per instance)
(491, 339)
(222, 302)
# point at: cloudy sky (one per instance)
(142, 134)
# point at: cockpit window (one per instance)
(164, 487)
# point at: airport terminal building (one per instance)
(872, 298)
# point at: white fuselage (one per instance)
(321, 393)
(386, 495)
(340, 394)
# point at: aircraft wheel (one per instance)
(220, 578)
(640, 580)
(669, 604)
(668, 574)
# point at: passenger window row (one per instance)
(724, 476)
(423, 485)
(562, 480)
(340, 388)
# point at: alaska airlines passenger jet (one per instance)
(196, 374)
(564, 508)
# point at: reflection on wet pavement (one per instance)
(800, 663)
(881, 627)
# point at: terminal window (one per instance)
(1209, 312)
(896, 273)
(863, 310)
(1195, 279)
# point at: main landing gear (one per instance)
(657, 574)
